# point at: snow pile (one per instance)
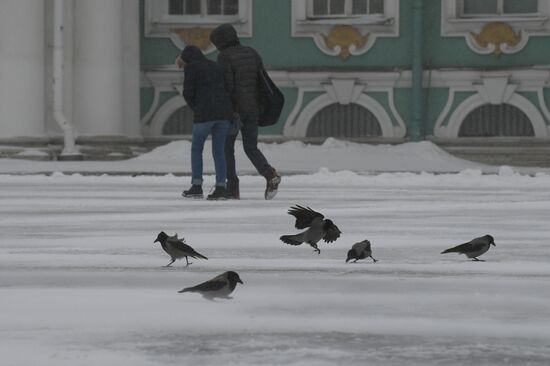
(288, 157)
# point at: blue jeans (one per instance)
(201, 130)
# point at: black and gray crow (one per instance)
(474, 248)
(219, 286)
(176, 248)
(360, 250)
(318, 228)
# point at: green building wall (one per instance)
(272, 26)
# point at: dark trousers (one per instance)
(249, 131)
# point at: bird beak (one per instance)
(239, 281)
(494, 244)
(156, 241)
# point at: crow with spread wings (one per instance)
(317, 228)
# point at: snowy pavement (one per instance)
(82, 283)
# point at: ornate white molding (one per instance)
(452, 129)
(299, 128)
(346, 36)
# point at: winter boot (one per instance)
(194, 192)
(233, 190)
(272, 183)
(220, 193)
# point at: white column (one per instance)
(22, 50)
(98, 69)
(131, 68)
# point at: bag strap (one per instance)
(265, 80)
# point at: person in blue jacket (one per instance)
(205, 93)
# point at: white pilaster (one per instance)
(98, 68)
(131, 59)
(22, 68)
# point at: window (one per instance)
(179, 123)
(344, 8)
(496, 120)
(488, 8)
(162, 17)
(203, 7)
(350, 121)
(467, 18)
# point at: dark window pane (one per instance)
(359, 6)
(192, 7)
(179, 123)
(496, 120)
(214, 7)
(231, 7)
(480, 7)
(175, 7)
(320, 7)
(520, 6)
(337, 6)
(376, 7)
(337, 120)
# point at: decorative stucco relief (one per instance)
(497, 38)
(344, 41)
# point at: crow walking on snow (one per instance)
(219, 286)
(474, 248)
(176, 248)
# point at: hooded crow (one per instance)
(219, 286)
(318, 228)
(176, 248)
(474, 248)
(360, 250)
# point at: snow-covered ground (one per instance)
(81, 282)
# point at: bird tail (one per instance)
(292, 239)
(197, 254)
(450, 250)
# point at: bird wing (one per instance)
(304, 216)
(331, 231)
(179, 244)
(476, 244)
(212, 285)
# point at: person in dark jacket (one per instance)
(241, 66)
(205, 93)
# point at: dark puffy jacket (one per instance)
(204, 87)
(241, 66)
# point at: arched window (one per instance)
(338, 120)
(179, 123)
(496, 120)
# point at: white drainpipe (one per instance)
(69, 149)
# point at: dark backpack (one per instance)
(271, 100)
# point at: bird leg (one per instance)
(169, 264)
(477, 260)
(188, 263)
(316, 248)
(374, 260)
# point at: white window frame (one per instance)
(499, 14)
(454, 23)
(158, 23)
(347, 12)
(303, 20)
